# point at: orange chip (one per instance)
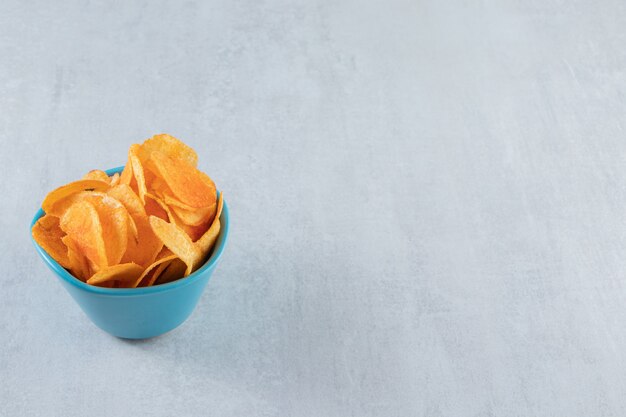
(174, 271)
(81, 222)
(79, 265)
(138, 171)
(144, 246)
(48, 234)
(57, 196)
(206, 242)
(127, 174)
(195, 217)
(152, 272)
(170, 146)
(125, 195)
(194, 232)
(187, 184)
(114, 180)
(153, 223)
(159, 187)
(171, 201)
(176, 240)
(156, 207)
(121, 272)
(115, 221)
(97, 174)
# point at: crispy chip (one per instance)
(79, 265)
(170, 146)
(115, 221)
(195, 217)
(57, 196)
(125, 195)
(97, 174)
(153, 223)
(194, 232)
(174, 202)
(127, 174)
(187, 184)
(176, 240)
(174, 271)
(138, 172)
(114, 180)
(153, 270)
(206, 242)
(48, 234)
(81, 222)
(144, 247)
(156, 207)
(121, 272)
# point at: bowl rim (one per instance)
(195, 276)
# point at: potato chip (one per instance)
(144, 247)
(125, 195)
(174, 271)
(194, 232)
(48, 234)
(154, 269)
(81, 222)
(121, 272)
(115, 179)
(115, 220)
(174, 202)
(79, 265)
(195, 217)
(138, 172)
(156, 207)
(97, 174)
(176, 240)
(206, 242)
(187, 184)
(57, 196)
(153, 223)
(170, 146)
(127, 174)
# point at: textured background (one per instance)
(427, 200)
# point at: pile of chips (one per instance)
(155, 223)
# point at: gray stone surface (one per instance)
(428, 204)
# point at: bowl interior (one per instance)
(210, 262)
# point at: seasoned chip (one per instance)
(115, 220)
(57, 196)
(97, 174)
(48, 234)
(171, 147)
(79, 265)
(176, 240)
(114, 180)
(187, 184)
(122, 273)
(81, 222)
(156, 207)
(153, 270)
(154, 223)
(144, 247)
(138, 171)
(175, 270)
(195, 217)
(194, 232)
(125, 195)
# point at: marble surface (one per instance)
(428, 204)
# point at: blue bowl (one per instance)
(139, 313)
